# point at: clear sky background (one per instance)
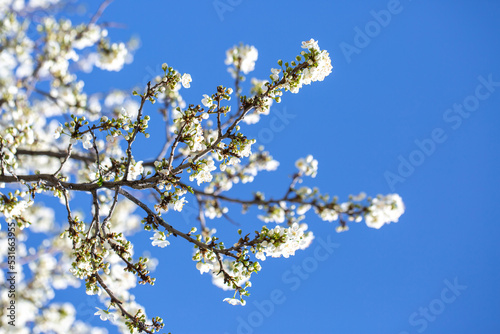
(382, 122)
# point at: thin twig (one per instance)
(100, 11)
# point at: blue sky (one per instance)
(386, 120)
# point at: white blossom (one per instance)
(159, 239)
(275, 74)
(87, 141)
(285, 241)
(384, 210)
(358, 198)
(310, 44)
(179, 204)
(244, 55)
(314, 73)
(308, 166)
(302, 209)
(105, 315)
(207, 101)
(186, 79)
(204, 174)
(234, 301)
(260, 256)
(204, 267)
(328, 215)
(113, 58)
(135, 169)
(89, 37)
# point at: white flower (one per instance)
(87, 141)
(58, 131)
(105, 315)
(341, 228)
(260, 256)
(319, 66)
(308, 166)
(235, 301)
(302, 209)
(207, 101)
(284, 241)
(88, 38)
(196, 142)
(15, 209)
(204, 174)
(275, 76)
(180, 204)
(125, 113)
(358, 198)
(185, 80)
(329, 215)
(245, 55)
(246, 149)
(135, 169)
(310, 44)
(204, 267)
(159, 239)
(212, 212)
(384, 209)
(112, 58)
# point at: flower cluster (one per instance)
(384, 210)
(313, 64)
(328, 215)
(202, 172)
(282, 241)
(111, 57)
(375, 211)
(135, 169)
(242, 57)
(307, 166)
(195, 139)
(12, 206)
(320, 58)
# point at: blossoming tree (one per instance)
(58, 141)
